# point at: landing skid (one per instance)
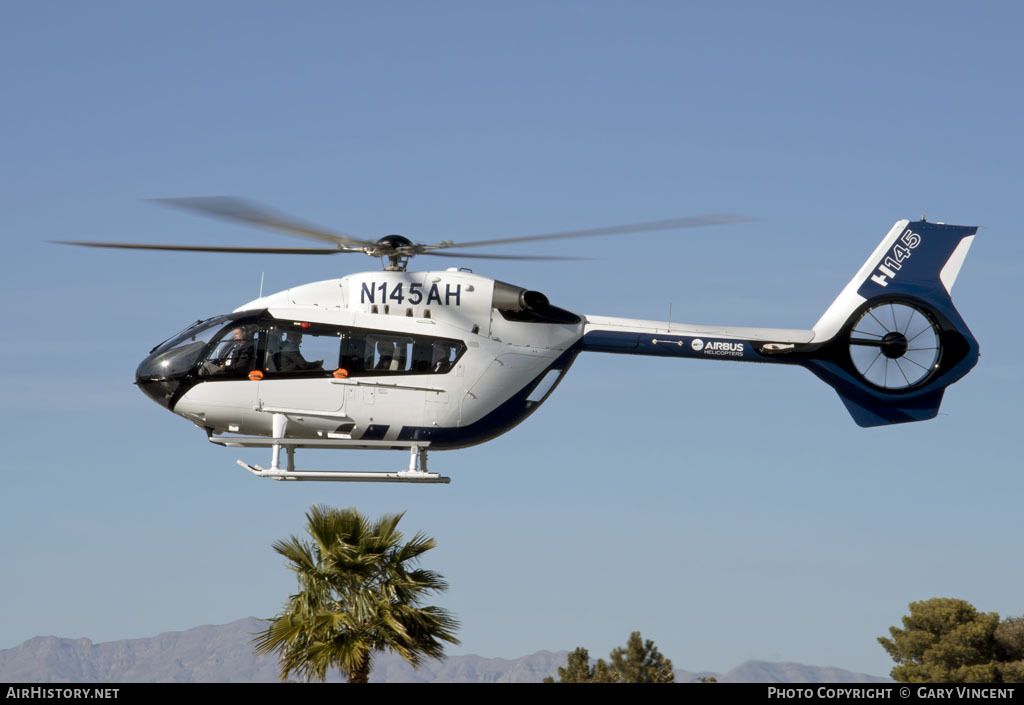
(346, 475)
(417, 471)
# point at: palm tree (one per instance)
(358, 594)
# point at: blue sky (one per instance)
(727, 511)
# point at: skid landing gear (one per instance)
(417, 471)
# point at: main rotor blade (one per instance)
(208, 248)
(671, 224)
(237, 209)
(524, 257)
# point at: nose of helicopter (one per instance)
(169, 365)
(159, 388)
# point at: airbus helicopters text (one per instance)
(446, 359)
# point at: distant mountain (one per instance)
(220, 653)
(223, 654)
(775, 672)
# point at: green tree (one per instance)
(641, 662)
(637, 662)
(945, 640)
(358, 594)
(1009, 637)
(579, 670)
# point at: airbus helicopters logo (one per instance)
(717, 347)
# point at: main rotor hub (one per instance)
(397, 248)
(394, 241)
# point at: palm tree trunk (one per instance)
(361, 673)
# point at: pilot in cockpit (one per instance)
(234, 354)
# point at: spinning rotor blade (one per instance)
(397, 248)
(205, 248)
(671, 224)
(288, 250)
(523, 257)
(240, 210)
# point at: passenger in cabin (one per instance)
(290, 357)
(442, 356)
(385, 355)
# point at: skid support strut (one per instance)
(280, 426)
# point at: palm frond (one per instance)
(359, 593)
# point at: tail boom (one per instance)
(629, 336)
(890, 343)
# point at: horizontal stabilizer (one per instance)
(873, 413)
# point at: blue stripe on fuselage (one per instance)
(658, 345)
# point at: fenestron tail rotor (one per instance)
(397, 249)
(895, 345)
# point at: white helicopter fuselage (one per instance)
(500, 359)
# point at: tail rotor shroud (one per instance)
(895, 346)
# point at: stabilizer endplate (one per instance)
(868, 413)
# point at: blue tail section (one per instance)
(892, 341)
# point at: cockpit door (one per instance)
(298, 366)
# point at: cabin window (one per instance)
(443, 354)
(313, 350)
(291, 349)
(391, 354)
(387, 353)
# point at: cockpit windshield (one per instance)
(177, 356)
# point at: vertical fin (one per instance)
(912, 271)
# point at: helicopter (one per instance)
(446, 359)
